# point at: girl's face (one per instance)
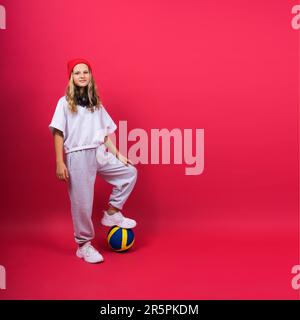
(81, 75)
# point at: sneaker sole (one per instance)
(118, 225)
(81, 257)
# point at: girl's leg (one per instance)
(122, 177)
(111, 210)
(82, 173)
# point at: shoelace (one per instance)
(88, 249)
(117, 216)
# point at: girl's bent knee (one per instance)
(133, 171)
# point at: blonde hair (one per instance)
(92, 92)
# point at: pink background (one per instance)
(230, 67)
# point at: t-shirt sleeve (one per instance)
(59, 119)
(110, 125)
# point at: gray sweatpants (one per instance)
(83, 166)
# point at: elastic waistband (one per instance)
(83, 150)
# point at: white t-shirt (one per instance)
(81, 130)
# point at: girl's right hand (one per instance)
(62, 171)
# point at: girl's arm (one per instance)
(112, 148)
(61, 169)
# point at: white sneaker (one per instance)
(117, 219)
(89, 253)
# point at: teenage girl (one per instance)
(81, 127)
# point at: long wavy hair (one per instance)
(91, 92)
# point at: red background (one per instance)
(230, 67)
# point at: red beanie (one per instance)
(72, 64)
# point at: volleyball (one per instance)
(120, 239)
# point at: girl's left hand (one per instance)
(123, 159)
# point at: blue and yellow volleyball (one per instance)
(120, 239)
